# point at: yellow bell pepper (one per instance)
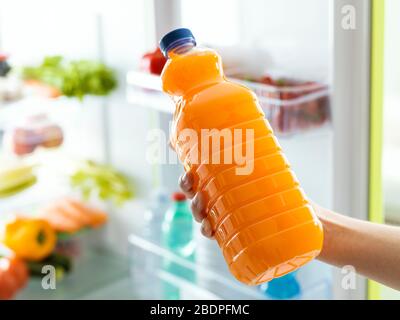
(30, 239)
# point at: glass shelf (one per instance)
(14, 111)
(145, 90)
(172, 276)
(152, 272)
(92, 274)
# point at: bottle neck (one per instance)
(181, 48)
(181, 209)
(189, 68)
(180, 204)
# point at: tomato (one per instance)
(267, 80)
(153, 62)
(13, 276)
(20, 271)
(8, 287)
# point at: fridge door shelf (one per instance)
(165, 275)
(290, 110)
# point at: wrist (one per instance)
(334, 226)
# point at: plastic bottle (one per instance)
(154, 216)
(177, 230)
(260, 216)
(286, 287)
(210, 261)
(152, 231)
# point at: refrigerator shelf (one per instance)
(169, 273)
(290, 110)
(93, 277)
(14, 111)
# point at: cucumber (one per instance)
(61, 263)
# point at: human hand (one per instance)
(199, 203)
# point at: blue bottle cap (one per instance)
(175, 39)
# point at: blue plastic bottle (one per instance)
(177, 229)
(286, 287)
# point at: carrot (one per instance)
(75, 212)
(43, 89)
(69, 215)
(95, 217)
(59, 221)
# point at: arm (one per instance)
(372, 249)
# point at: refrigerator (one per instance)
(336, 156)
(325, 41)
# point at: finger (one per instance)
(199, 206)
(186, 184)
(206, 229)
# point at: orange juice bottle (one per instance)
(260, 216)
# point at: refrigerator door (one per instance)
(385, 156)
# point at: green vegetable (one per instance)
(61, 263)
(65, 236)
(103, 181)
(17, 189)
(73, 78)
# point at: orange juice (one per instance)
(260, 216)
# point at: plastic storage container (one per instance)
(33, 132)
(292, 106)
